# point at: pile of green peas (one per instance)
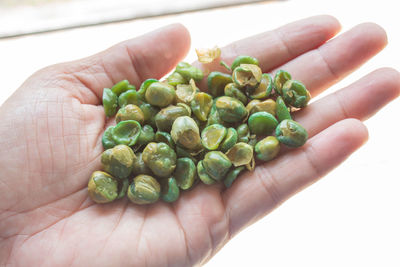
(170, 136)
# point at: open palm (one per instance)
(50, 143)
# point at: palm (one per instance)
(46, 216)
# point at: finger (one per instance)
(149, 56)
(273, 48)
(326, 65)
(257, 193)
(360, 100)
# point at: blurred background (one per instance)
(349, 218)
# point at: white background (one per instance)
(349, 218)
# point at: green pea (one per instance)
(129, 97)
(262, 123)
(267, 149)
(201, 105)
(149, 112)
(232, 176)
(160, 94)
(175, 78)
(165, 138)
(214, 117)
(169, 190)
(118, 161)
(281, 77)
(130, 112)
(102, 187)
(138, 165)
(230, 140)
(282, 111)
(268, 105)
(247, 76)
(146, 136)
(122, 87)
(243, 133)
(212, 136)
(240, 154)
(126, 132)
(185, 173)
(233, 91)
(230, 109)
(185, 132)
(166, 117)
(216, 82)
(143, 88)
(107, 140)
(216, 164)
(243, 60)
(185, 92)
(189, 72)
(160, 158)
(264, 88)
(144, 190)
(291, 133)
(294, 93)
(203, 175)
(110, 102)
(122, 188)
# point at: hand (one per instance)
(51, 132)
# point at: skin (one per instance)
(46, 216)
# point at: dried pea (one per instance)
(282, 111)
(160, 158)
(281, 77)
(291, 133)
(118, 161)
(121, 87)
(185, 173)
(130, 112)
(102, 187)
(107, 140)
(144, 190)
(126, 132)
(203, 175)
(217, 81)
(216, 164)
(267, 149)
(169, 190)
(212, 136)
(110, 102)
(243, 60)
(201, 105)
(262, 123)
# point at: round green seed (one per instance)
(216, 164)
(110, 102)
(262, 123)
(144, 190)
(185, 173)
(291, 133)
(212, 136)
(126, 132)
(169, 190)
(203, 175)
(267, 149)
(102, 187)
